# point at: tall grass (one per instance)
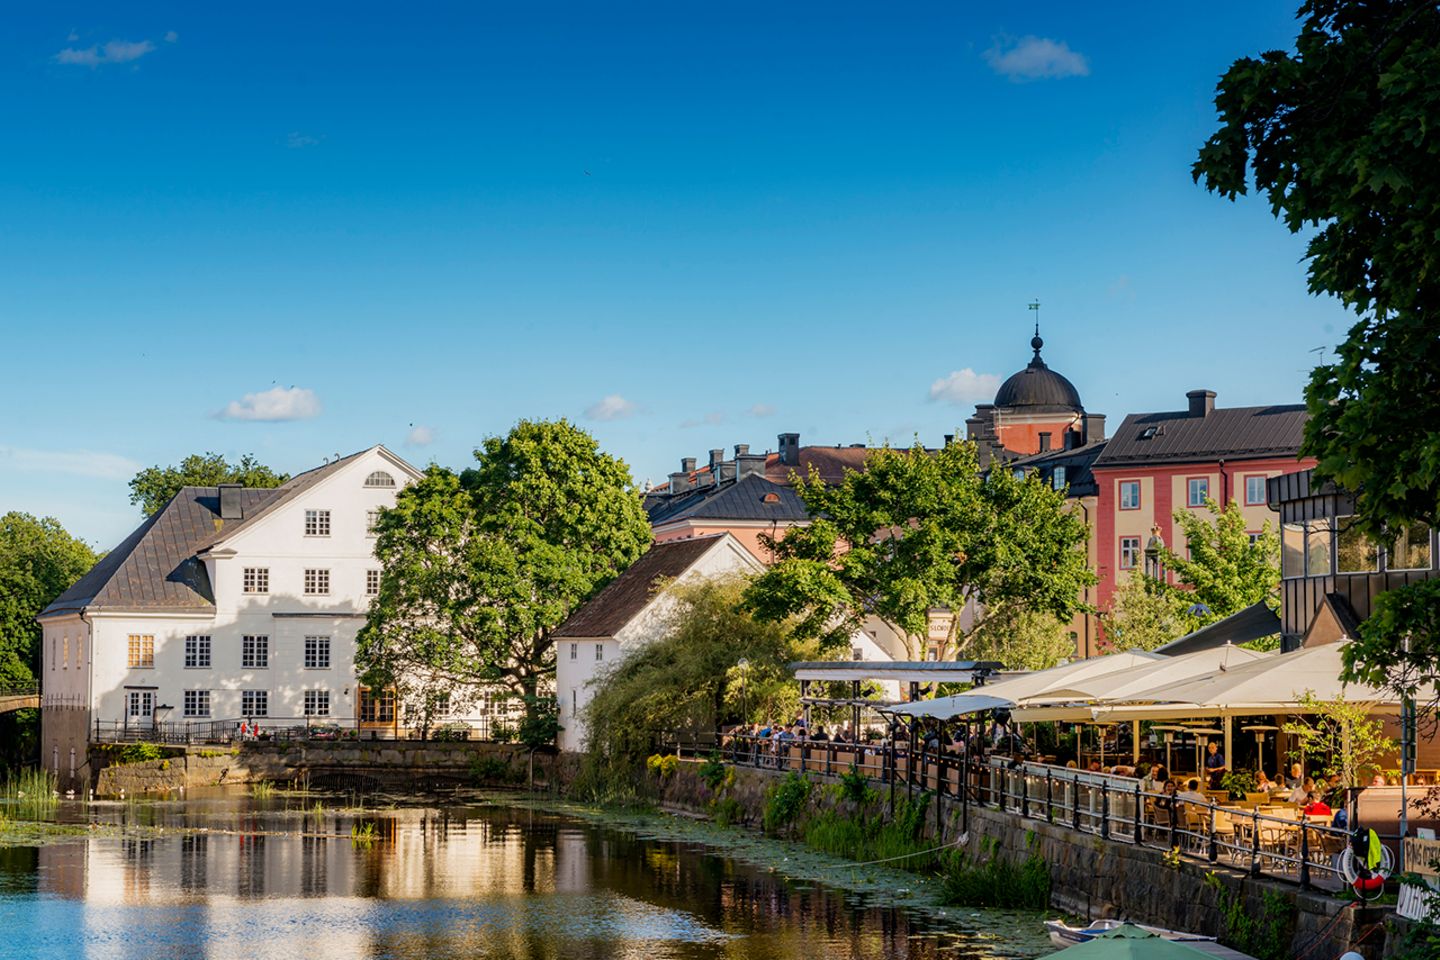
(262, 790)
(29, 794)
(868, 838)
(993, 881)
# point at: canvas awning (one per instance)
(950, 707)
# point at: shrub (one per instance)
(854, 786)
(785, 801)
(994, 881)
(663, 765)
(712, 772)
(490, 769)
(726, 811)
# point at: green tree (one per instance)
(1339, 135)
(479, 568)
(1021, 638)
(917, 531)
(1145, 613)
(1225, 570)
(153, 487)
(712, 665)
(38, 562)
(1342, 737)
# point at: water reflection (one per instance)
(446, 883)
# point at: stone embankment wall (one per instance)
(383, 763)
(1090, 877)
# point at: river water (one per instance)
(236, 877)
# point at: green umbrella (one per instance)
(1129, 942)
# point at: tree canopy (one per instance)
(38, 562)
(479, 568)
(1340, 137)
(921, 530)
(153, 487)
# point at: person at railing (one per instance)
(1215, 767)
(820, 736)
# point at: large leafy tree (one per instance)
(479, 568)
(1340, 136)
(1223, 568)
(38, 562)
(921, 530)
(153, 487)
(1145, 613)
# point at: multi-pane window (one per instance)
(196, 703)
(372, 520)
(599, 651)
(257, 580)
(1411, 550)
(255, 652)
(1057, 478)
(1129, 494)
(377, 706)
(1317, 549)
(1254, 537)
(574, 651)
(372, 583)
(1254, 491)
(317, 703)
(141, 650)
(1198, 490)
(379, 479)
(254, 703)
(1129, 552)
(317, 523)
(1354, 551)
(142, 703)
(317, 582)
(197, 652)
(317, 653)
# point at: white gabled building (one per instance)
(227, 603)
(631, 612)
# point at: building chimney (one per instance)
(949, 439)
(687, 464)
(741, 449)
(717, 456)
(1094, 428)
(680, 482)
(750, 465)
(790, 449)
(231, 506)
(1202, 402)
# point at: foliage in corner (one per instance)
(153, 487)
(1342, 736)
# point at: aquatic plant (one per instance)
(30, 794)
(899, 839)
(994, 881)
(363, 832)
(262, 790)
(784, 802)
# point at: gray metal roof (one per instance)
(1233, 433)
(752, 498)
(1076, 461)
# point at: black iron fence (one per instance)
(313, 728)
(1260, 836)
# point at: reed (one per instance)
(30, 794)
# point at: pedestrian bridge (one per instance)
(19, 699)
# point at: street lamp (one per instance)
(743, 666)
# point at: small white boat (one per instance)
(1064, 935)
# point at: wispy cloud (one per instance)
(299, 141)
(81, 463)
(98, 55)
(1035, 58)
(761, 410)
(612, 407)
(273, 405)
(419, 436)
(965, 386)
(712, 419)
(171, 36)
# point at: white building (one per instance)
(631, 612)
(229, 602)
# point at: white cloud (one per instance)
(273, 405)
(116, 51)
(419, 436)
(613, 407)
(761, 410)
(712, 419)
(171, 36)
(81, 463)
(965, 386)
(299, 141)
(1036, 58)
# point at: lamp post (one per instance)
(743, 666)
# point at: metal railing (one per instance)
(1275, 839)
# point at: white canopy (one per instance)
(1026, 688)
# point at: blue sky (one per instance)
(301, 229)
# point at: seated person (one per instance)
(1315, 807)
(1307, 786)
(1262, 783)
(1191, 793)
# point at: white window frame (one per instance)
(1135, 554)
(1125, 485)
(599, 652)
(317, 523)
(197, 652)
(380, 480)
(140, 704)
(1249, 480)
(139, 651)
(255, 581)
(1190, 483)
(1057, 477)
(317, 581)
(372, 583)
(259, 705)
(372, 520)
(316, 703)
(255, 651)
(317, 652)
(195, 701)
(574, 651)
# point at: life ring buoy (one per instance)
(1366, 864)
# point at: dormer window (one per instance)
(380, 479)
(1148, 433)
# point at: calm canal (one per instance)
(241, 878)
